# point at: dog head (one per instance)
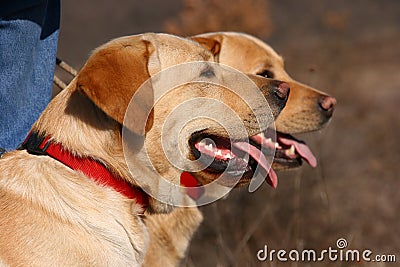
(307, 109)
(134, 81)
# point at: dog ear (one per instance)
(113, 74)
(211, 43)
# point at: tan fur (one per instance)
(166, 249)
(51, 215)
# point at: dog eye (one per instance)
(266, 74)
(208, 73)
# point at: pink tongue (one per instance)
(257, 155)
(303, 150)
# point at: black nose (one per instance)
(281, 90)
(327, 105)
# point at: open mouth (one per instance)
(242, 160)
(289, 153)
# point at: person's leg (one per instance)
(28, 44)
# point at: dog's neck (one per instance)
(93, 169)
(72, 120)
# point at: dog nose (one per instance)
(327, 104)
(281, 90)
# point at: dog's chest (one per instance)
(64, 219)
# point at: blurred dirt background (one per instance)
(350, 49)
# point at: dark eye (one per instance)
(266, 74)
(208, 73)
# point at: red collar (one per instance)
(193, 187)
(40, 145)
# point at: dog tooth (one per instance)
(277, 146)
(209, 147)
(228, 156)
(218, 153)
(291, 150)
(269, 140)
(262, 134)
(202, 143)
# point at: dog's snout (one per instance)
(327, 104)
(281, 90)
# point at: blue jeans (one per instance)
(28, 45)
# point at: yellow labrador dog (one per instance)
(306, 110)
(68, 196)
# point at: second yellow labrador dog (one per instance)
(307, 110)
(68, 196)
